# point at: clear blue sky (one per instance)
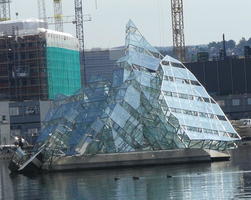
(205, 20)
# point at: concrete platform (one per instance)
(145, 158)
(218, 156)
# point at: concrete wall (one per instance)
(144, 158)
(44, 108)
(5, 137)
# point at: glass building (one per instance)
(153, 103)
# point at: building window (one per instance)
(236, 102)
(249, 101)
(4, 119)
(33, 132)
(14, 111)
(31, 110)
(221, 102)
(15, 132)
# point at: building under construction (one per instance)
(37, 63)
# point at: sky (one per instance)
(205, 20)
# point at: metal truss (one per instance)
(5, 10)
(178, 29)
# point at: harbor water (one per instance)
(218, 180)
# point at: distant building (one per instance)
(202, 56)
(102, 62)
(37, 63)
(228, 81)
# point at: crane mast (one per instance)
(58, 15)
(79, 20)
(4, 10)
(178, 29)
(42, 10)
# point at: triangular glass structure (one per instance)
(154, 103)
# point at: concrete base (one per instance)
(145, 158)
(218, 156)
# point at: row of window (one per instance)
(235, 102)
(31, 132)
(29, 110)
(198, 114)
(167, 63)
(180, 80)
(208, 131)
(188, 96)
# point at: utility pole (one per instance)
(178, 29)
(4, 10)
(58, 15)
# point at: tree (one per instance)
(230, 44)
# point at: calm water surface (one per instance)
(221, 180)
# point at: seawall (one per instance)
(130, 159)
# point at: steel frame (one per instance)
(5, 10)
(41, 10)
(58, 15)
(178, 29)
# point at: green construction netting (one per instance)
(63, 68)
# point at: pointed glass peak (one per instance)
(136, 39)
(131, 24)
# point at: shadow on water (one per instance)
(221, 180)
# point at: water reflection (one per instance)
(223, 180)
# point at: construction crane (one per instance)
(68, 19)
(41, 10)
(178, 29)
(79, 19)
(5, 10)
(58, 15)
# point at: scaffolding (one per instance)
(37, 64)
(23, 67)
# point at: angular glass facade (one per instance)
(153, 103)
